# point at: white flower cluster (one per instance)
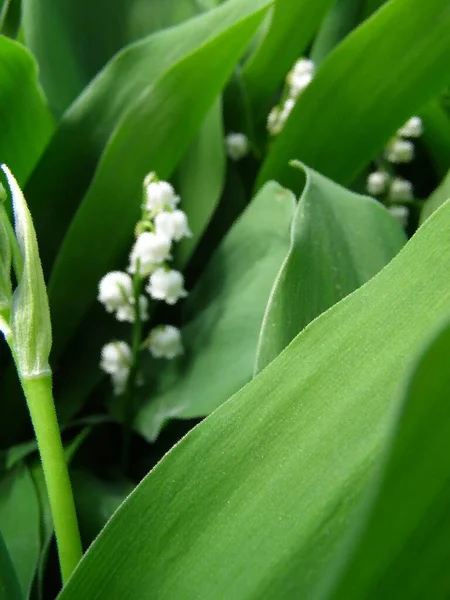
(400, 149)
(161, 226)
(237, 145)
(297, 81)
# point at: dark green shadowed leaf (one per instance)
(437, 198)
(254, 501)
(403, 550)
(168, 115)
(19, 523)
(436, 136)
(360, 103)
(9, 584)
(26, 121)
(339, 240)
(224, 313)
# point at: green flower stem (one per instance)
(38, 392)
(128, 397)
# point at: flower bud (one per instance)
(273, 121)
(127, 312)
(286, 110)
(150, 249)
(172, 225)
(399, 151)
(165, 342)
(400, 189)
(400, 213)
(115, 356)
(377, 182)
(160, 195)
(413, 128)
(115, 290)
(166, 285)
(237, 145)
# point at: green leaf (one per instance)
(292, 27)
(19, 523)
(436, 136)
(255, 500)
(371, 98)
(5, 268)
(9, 585)
(404, 548)
(27, 123)
(437, 198)
(223, 313)
(167, 115)
(200, 179)
(73, 41)
(31, 332)
(339, 240)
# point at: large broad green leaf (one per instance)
(9, 584)
(292, 27)
(339, 240)
(19, 523)
(437, 198)
(254, 501)
(67, 167)
(73, 40)
(436, 135)
(26, 121)
(167, 115)
(404, 550)
(224, 314)
(365, 90)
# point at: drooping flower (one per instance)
(413, 128)
(399, 151)
(165, 342)
(160, 195)
(172, 225)
(237, 145)
(166, 285)
(401, 189)
(127, 313)
(400, 213)
(150, 250)
(115, 290)
(115, 357)
(300, 76)
(273, 121)
(377, 182)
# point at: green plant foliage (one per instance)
(260, 516)
(223, 313)
(173, 108)
(370, 98)
(339, 240)
(19, 523)
(9, 586)
(437, 198)
(408, 555)
(22, 104)
(436, 136)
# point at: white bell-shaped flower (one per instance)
(160, 195)
(273, 121)
(413, 128)
(115, 356)
(302, 67)
(119, 380)
(237, 145)
(115, 290)
(166, 285)
(400, 189)
(165, 342)
(400, 213)
(286, 110)
(399, 151)
(298, 83)
(150, 249)
(377, 183)
(127, 313)
(172, 225)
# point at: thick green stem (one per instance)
(38, 392)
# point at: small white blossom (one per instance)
(400, 189)
(127, 313)
(172, 225)
(413, 128)
(150, 249)
(273, 121)
(159, 196)
(299, 83)
(377, 182)
(165, 342)
(119, 380)
(400, 213)
(166, 285)
(399, 151)
(115, 356)
(302, 67)
(286, 110)
(115, 290)
(237, 145)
